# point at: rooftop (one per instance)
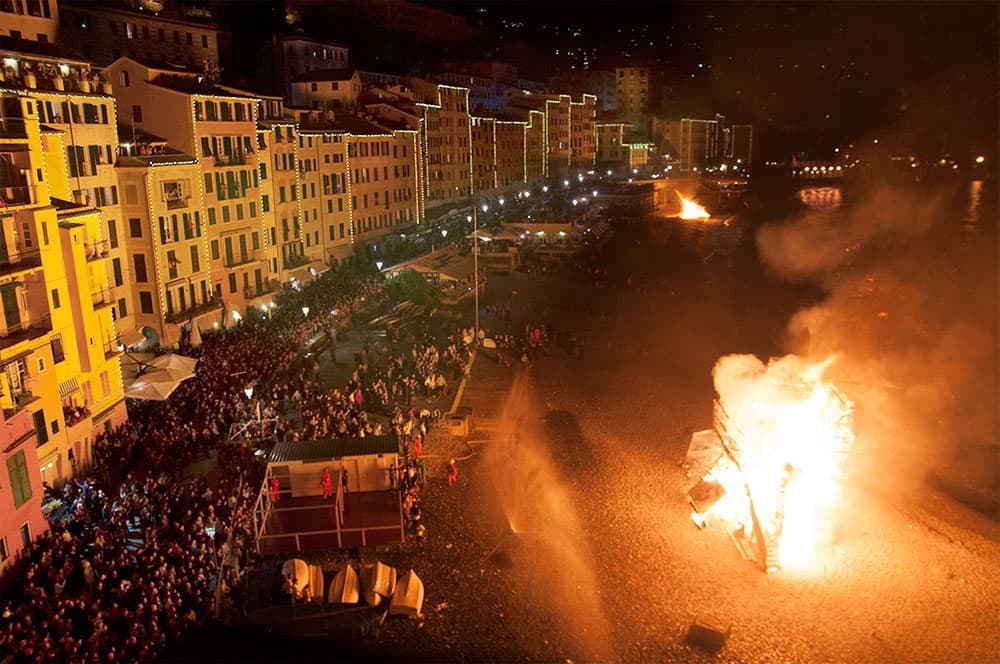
(333, 448)
(326, 75)
(40, 50)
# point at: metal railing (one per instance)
(294, 261)
(178, 203)
(192, 311)
(241, 259)
(96, 250)
(18, 195)
(102, 298)
(16, 261)
(13, 128)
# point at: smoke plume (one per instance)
(911, 313)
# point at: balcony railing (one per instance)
(191, 312)
(240, 259)
(13, 128)
(20, 195)
(236, 159)
(26, 330)
(295, 261)
(18, 261)
(20, 399)
(96, 250)
(103, 298)
(111, 348)
(267, 287)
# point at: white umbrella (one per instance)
(152, 390)
(195, 335)
(174, 362)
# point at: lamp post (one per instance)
(305, 311)
(475, 265)
(378, 265)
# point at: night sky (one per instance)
(921, 77)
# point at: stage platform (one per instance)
(309, 523)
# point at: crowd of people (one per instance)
(140, 554)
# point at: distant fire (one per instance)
(691, 210)
(782, 437)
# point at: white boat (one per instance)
(345, 588)
(378, 581)
(408, 598)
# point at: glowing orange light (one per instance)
(691, 210)
(786, 435)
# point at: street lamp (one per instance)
(475, 263)
(545, 189)
(378, 265)
(594, 193)
(305, 311)
(248, 390)
(486, 208)
(444, 232)
(501, 201)
(565, 183)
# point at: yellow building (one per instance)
(484, 154)
(165, 238)
(217, 126)
(583, 137)
(58, 346)
(35, 20)
(447, 151)
(633, 93)
(511, 156)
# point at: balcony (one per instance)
(13, 128)
(111, 348)
(11, 335)
(20, 399)
(11, 263)
(18, 195)
(294, 261)
(96, 250)
(242, 259)
(236, 159)
(178, 202)
(102, 298)
(267, 287)
(189, 313)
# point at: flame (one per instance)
(786, 434)
(691, 210)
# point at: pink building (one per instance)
(21, 519)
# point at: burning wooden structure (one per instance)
(771, 465)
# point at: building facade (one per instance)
(633, 94)
(326, 89)
(103, 34)
(33, 20)
(59, 350)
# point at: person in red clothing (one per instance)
(275, 487)
(327, 484)
(418, 446)
(452, 472)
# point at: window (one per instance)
(159, 34)
(204, 41)
(41, 365)
(26, 533)
(145, 302)
(215, 250)
(41, 431)
(211, 216)
(123, 77)
(139, 262)
(122, 309)
(194, 258)
(58, 354)
(135, 227)
(20, 482)
(232, 283)
(55, 298)
(4, 551)
(116, 267)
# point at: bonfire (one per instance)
(774, 461)
(691, 210)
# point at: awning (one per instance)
(68, 387)
(302, 274)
